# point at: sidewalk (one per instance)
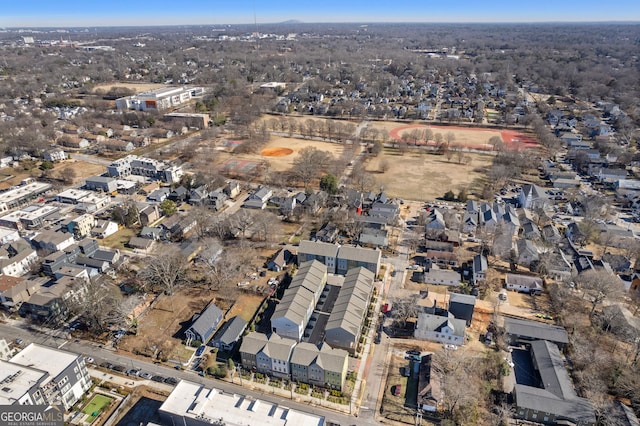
(289, 394)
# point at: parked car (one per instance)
(200, 350)
(132, 372)
(450, 347)
(397, 390)
(413, 352)
(145, 375)
(158, 379)
(119, 368)
(89, 360)
(171, 381)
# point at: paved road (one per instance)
(10, 333)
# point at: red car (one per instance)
(397, 390)
(386, 308)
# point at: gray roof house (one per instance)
(259, 199)
(274, 357)
(524, 283)
(296, 306)
(442, 329)
(350, 257)
(519, 331)
(322, 366)
(479, 268)
(325, 253)
(345, 321)
(527, 252)
(532, 196)
(461, 306)
(204, 324)
(554, 400)
(251, 345)
(229, 333)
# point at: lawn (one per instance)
(95, 407)
(119, 239)
(246, 306)
(394, 407)
(427, 176)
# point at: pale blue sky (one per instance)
(213, 12)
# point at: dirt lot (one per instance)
(82, 168)
(427, 177)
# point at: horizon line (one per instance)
(294, 22)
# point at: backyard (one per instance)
(95, 407)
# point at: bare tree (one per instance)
(599, 285)
(309, 163)
(166, 268)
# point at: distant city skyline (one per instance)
(76, 13)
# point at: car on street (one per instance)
(171, 381)
(158, 379)
(119, 368)
(89, 360)
(145, 375)
(132, 372)
(106, 365)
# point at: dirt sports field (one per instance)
(471, 138)
(138, 87)
(280, 152)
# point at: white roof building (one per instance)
(191, 403)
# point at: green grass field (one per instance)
(95, 407)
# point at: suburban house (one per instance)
(429, 389)
(479, 268)
(204, 324)
(281, 259)
(53, 240)
(532, 196)
(524, 283)
(441, 277)
(527, 252)
(441, 329)
(322, 366)
(54, 155)
(553, 400)
(15, 290)
(259, 199)
(462, 306)
(296, 306)
(518, 331)
(229, 333)
(350, 309)
(50, 303)
(16, 258)
(104, 228)
(442, 258)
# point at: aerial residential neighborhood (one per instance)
(305, 224)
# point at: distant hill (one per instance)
(292, 21)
